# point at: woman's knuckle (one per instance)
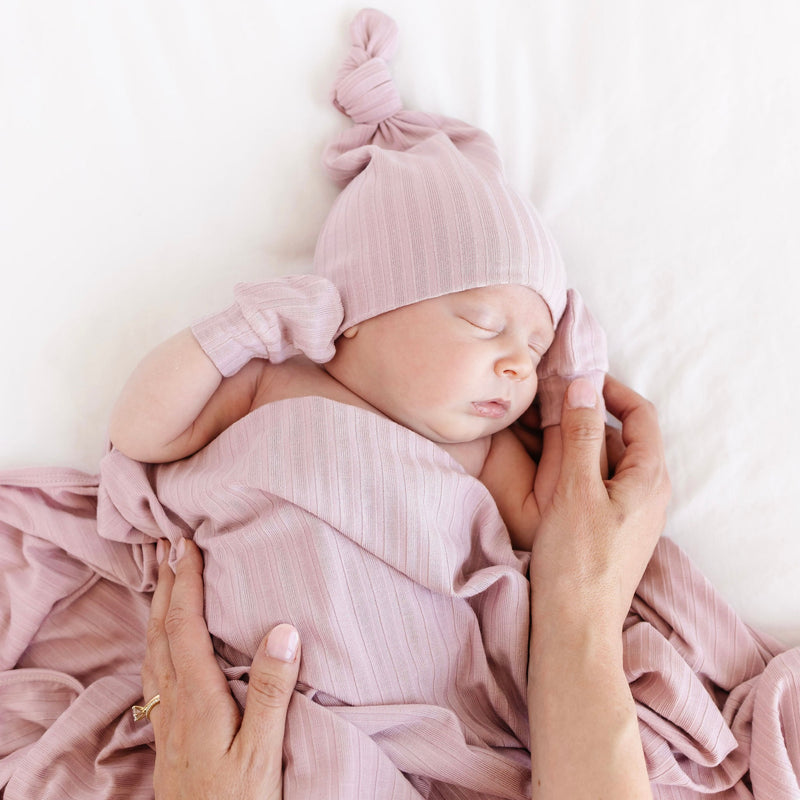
(653, 475)
(270, 693)
(158, 676)
(154, 632)
(648, 408)
(653, 464)
(585, 431)
(175, 621)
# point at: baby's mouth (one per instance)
(494, 409)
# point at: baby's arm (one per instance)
(202, 380)
(176, 401)
(509, 474)
(521, 489)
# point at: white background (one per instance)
(153, 153)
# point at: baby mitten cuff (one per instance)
(274, 320)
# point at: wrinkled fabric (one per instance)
(412, 608)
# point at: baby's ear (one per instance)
(350, 332)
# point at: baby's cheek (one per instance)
(441, 381)
(527, 396)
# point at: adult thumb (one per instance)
(582, 433)
(273, 675)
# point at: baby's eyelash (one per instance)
(488, 329)
(537, 351)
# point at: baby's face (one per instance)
(453, 368)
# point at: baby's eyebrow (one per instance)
(490, 312)
(482, 308)
(542, 335)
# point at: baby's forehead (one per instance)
(497, 291)
(511, 300)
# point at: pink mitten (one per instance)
(578, 350)
(274, 320)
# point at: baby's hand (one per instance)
(544, 447)
(509, 474)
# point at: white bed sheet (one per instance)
(154, 153)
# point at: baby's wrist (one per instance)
(227, 340)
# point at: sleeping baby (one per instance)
(321, 440)
(434, 303)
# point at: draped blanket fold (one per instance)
(411, 605)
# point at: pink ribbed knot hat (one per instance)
(425, 208)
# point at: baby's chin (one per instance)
(458, 433)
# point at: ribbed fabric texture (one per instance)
(412, 607)
(425, 208)
(274, 320)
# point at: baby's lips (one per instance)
(494, 409)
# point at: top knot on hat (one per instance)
(425, 208)
(364, 89)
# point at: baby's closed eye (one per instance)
(538, 349)
(484, 324)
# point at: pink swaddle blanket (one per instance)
(413, 611)
(392, 562)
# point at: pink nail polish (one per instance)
(282, 643)
(581, 394)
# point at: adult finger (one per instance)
(273, 675)
(189, 642)
(641, 471)
(637, 415)
(642, 466)
(157, 671)
(582, 436)
(615, 449)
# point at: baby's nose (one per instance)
(516, 366)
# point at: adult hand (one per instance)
(204, 747)
(597, 536)
(588, 556)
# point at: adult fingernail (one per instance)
(282, 642)
(581, 394)
(181, 549)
